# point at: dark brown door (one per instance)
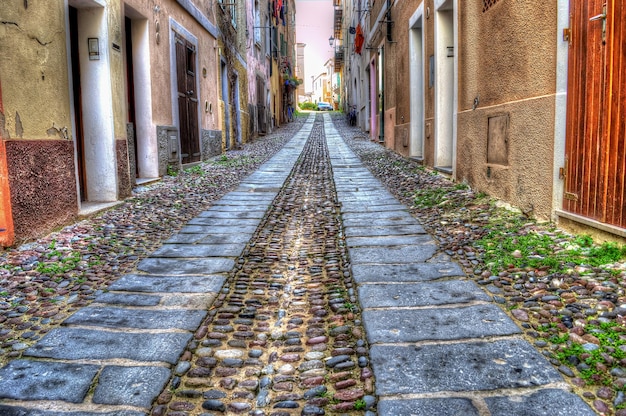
(596, 112)
(78, 105)
(187, 100)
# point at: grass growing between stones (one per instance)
(567, 293)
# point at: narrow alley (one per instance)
(308, 290)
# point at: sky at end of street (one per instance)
(314, 25)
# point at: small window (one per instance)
(487, 4)
(191, 60)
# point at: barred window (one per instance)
(487, 4)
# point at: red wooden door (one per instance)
(187, 100)
(595, 185)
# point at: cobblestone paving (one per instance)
(255, 308)
(267, 343)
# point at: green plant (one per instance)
(608, 354)
(584, 240)
(195, 170)
(360, 405)
(172, 170)
(307, 106)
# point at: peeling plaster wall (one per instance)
(33, 70)
(35, 117)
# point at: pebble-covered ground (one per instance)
(44, 281)
(566, 292)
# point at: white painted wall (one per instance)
(417, 59)
(147, 142)
(98, 130)
(444, 85)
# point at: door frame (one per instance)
(177, 28)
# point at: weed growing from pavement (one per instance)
(596, 362)
(235, 161)
(195, 170)
(360, 405)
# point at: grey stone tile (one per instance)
(547, 402)
(44, 380)
(416, 272)
(110, 317)
(198, 250)
(393, 255)
(130, 386)
(168, 284)
(350, 207)
(23, 411)
(411, 325)
(218, 229)
(186, 266)
(399, 215)
(128, 299)
(88, 344)
(420, 294)
(428, 407)
(383, 222)
(238, 214)
(225, 222)
(369, 230)
(395, 240)
(210, 238)
(464, 366)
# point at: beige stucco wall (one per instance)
(502, 64)
(526, 182)
(33, 69)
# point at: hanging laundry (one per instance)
(359, 39)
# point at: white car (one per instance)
(322, 106)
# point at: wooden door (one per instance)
(595, 170)
(187, 100)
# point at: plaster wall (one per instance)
(502, 71)
(159, 20)
(33, 70)
(526, 181)
(37, 175)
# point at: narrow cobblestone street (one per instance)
(308, 290)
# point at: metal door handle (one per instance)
(598, 17)
(190, 92)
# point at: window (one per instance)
(257, 23)
(231, 7)
(487, 4)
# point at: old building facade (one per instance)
(464, 88)
(110, 93)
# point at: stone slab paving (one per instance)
(146, 319)
(438, 344)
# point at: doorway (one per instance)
(93, 131)
(444, 86)
(187, 100)
(416, 53)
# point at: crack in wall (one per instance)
(17, 26)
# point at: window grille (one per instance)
(487, 4)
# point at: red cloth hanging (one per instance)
(359, 39)
(278, 5)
